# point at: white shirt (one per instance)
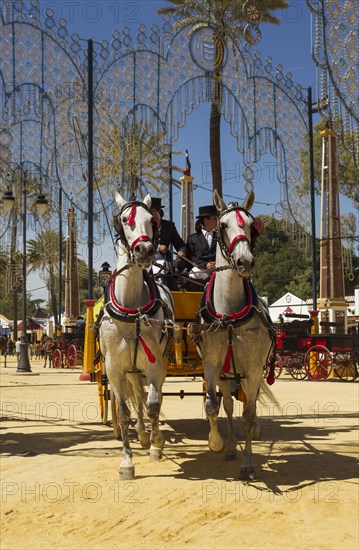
(209, 236)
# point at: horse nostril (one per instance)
(151, 250)
(138, 248)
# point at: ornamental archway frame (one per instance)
(155, 78)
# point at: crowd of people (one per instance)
(40, 349)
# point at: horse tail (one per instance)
(264, 389)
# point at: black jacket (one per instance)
(198, 249)
(168, 235)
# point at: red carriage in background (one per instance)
(315, 356)
(68, 350)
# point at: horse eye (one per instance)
(224, 225)
(124, 219)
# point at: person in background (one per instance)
(48, 348)
(17, 349)
(201, 245)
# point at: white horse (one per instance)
(134, 331)
(236, 331)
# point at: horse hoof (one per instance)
(155, 454)
(127, 472)
(247, 473)
(217, 449)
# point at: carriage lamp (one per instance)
(104, 274)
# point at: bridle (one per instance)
(227, 251)
(118, 223)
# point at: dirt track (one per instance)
(60, 484)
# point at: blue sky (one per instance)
(288, 44)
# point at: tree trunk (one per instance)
(215, 135)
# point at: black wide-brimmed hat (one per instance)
(207, 211)
(156, 203)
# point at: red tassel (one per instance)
(131, 217)
(227, 361)
(148, 352)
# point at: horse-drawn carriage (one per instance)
(305, 355)
(68, 350)
(146, 333)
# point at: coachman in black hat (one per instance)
(201, 245)
(167, 236)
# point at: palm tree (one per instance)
(134, 155)
(228, 18)
(43, 255)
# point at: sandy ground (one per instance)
(61, 489)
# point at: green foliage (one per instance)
(280, 266)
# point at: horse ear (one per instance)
(120, 201)
(249, 200)
(219, 202)
(147, 201)
(258, 226)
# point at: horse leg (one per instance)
(154, 401)
(231, 451)
(247, 470)
(139, 394)
(127, 469)
(211, 406)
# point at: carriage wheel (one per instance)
(57, 359)
(318, 363)
(72, 356)
(296, 367)
(346, 366)
(278, 366)
(115, 421)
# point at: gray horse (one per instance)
(134, 331)
(236, 334)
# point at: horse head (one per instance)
(136, 229)
(237, 231)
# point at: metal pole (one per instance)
(24, 363)
(312, 199)
(60, 255)
(90, 167)
(171, 184)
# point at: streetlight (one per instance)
(8, 201)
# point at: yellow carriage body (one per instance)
(184, 359)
